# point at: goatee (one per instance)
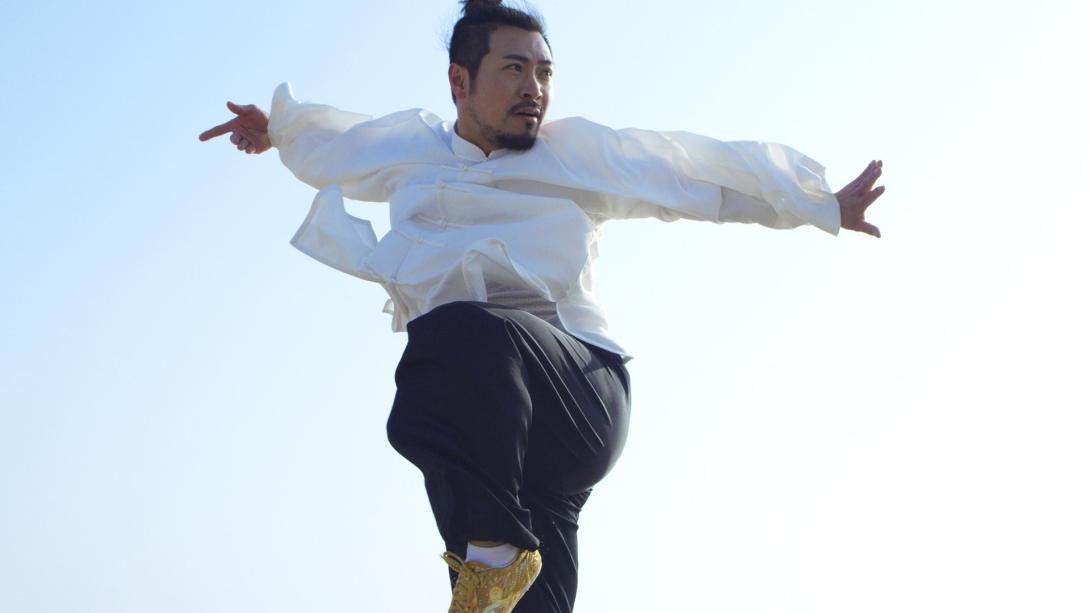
(516, 142)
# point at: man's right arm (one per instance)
(306, 134)
(255, 131)
(323, 145)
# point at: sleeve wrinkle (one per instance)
(322, 145)
(680, 175)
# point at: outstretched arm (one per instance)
(323, 145)
(857, 196)
(249, 130)
(676, 175)
(634, 173)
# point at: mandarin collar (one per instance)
(465, 149)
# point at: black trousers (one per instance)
(512, 422)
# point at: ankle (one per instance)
(494, 556)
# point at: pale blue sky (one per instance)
(192, 412)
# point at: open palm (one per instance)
(857, 196)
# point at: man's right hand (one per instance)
(249, 131)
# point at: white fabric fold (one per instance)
(462, 220)
(332, 236)
(680, 175)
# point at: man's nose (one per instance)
(532, 88)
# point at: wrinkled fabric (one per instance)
(512, 422)
(522, 219)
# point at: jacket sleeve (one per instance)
(680, 175)
(323, 145)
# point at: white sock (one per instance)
(494, 557)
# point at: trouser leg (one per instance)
(462, 416)
(511, 422)
(556, 525)
(556, 520)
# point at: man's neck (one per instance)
(486, 147)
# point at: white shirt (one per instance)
(530, 220)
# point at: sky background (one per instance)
(192, 412)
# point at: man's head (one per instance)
(500, 75)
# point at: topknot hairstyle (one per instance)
(480, 18)
(476, 5)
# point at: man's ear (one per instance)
(459, 81)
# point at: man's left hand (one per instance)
(857, 196)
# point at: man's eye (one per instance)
(517, 67)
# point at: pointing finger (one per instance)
(213, 132)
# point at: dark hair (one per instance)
(480, 18)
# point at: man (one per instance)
(512, 398)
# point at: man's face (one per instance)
(506, 103)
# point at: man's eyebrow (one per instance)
(524, 59)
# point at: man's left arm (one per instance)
(679, 175)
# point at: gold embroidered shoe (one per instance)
(483, 589)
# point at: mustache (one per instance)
(528, 105)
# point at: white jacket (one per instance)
(527, 219)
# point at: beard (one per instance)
(506, 140)
(517, 142)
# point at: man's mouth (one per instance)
(532, 113)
